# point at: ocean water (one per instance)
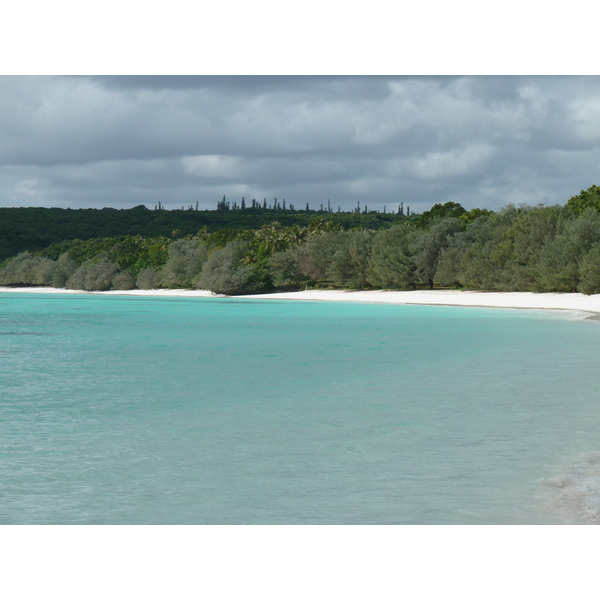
(146, 410)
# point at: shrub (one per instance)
(184, 263)
(99, 275)
(148, 279)
(224, 273)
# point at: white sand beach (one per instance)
(548, 301)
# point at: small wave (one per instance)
(575, 492)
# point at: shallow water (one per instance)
(129, 410)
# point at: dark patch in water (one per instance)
(23, 333)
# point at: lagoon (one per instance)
(177, 410)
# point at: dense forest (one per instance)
(34, 229)
(518, 248)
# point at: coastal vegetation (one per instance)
(34, 229)
(518, 248)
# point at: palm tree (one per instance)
(295, 234)
(316, 226)
(272, 238)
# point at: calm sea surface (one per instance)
(141, 410)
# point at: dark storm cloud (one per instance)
(121, 141)
(249, 84)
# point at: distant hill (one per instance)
(34, 229)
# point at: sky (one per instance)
(121, 141)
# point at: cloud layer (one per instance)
(123, 141)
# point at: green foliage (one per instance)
(224, 272)
(64, 268)
(184, 263)
(285, 271)
(269, 239)
(23, 269)
(391, 265)
(589, 198)
(314, 256)
(589, 271)
(33, 229)
(222, 237)
(27, 269)
(100, 274)
(441, 211)
(123, 280)
(532, 229)
(559, 260)
(149, 279)
(133, 253)
(488, 262)
(475, 213)
(517, 248)
(449, 271)
(428, 245)
(348, 266)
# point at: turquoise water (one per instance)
(142, 410)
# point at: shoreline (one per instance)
(474, 299)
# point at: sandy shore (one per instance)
(571, 302)
(588, 305)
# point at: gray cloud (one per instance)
(122, 141)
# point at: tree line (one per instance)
(34, 229)
(277, 205)
(518, 248)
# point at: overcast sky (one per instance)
(483, 141)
